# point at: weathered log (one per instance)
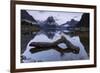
(60, 50)
(41, 46)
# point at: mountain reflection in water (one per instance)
(77, 34)
(51, 54)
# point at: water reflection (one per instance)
(50, 54)
(49, 33)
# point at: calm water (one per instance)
(51, 54)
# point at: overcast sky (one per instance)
(60, 17)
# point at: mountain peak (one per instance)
(84, 22)
(27, 16)
(50, 22)
(50, 19)
(72, 22)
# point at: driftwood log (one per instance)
(42, 46)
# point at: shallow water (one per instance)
(51, 54)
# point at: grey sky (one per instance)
(60, 17)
